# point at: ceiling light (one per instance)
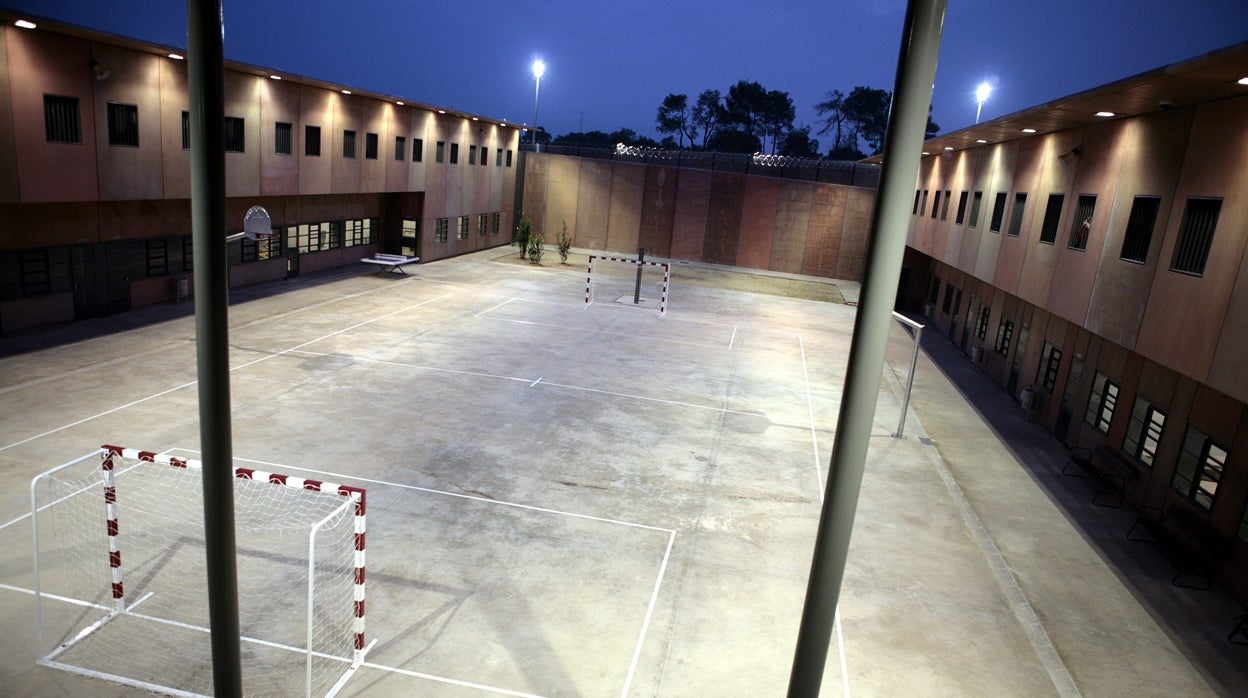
(346, 92)
(25, 24)
(475, 119)
(948, 147)
(176, 56)
(980, 140)
(1029, 130)
(926, 153)
(1105, 113)
(275, 77)
(1242, 81)
(399, 103)
(441, 111)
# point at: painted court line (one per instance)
(631, 335)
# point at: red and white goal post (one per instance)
(631, 282)
(120, 575)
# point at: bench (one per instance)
(391, 262)
(1111, 472)
(1186, 540)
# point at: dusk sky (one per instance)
(609, 65)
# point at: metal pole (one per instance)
(914, 360)
(536, 90)
(206, 73)
(912, 94)
(641, 257)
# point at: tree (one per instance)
(708, 113)
(777, 118)
(866, 108)
(799, 144)
(674, 117)
(745, 106)
(832, 110)
(734, 140)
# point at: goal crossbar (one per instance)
(639, 264)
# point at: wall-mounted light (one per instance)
(275, 77)
(1071, 154)
(101, 73)
(25, 24)
(177, 56)
(399, 103)
(1029, 130)
(1104, 114)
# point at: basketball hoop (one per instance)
(256, 226)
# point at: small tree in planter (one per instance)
(522, 233)
(535, 247)
(565, 243)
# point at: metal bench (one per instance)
(391, 262)
(1111, 472)
(1186, 540)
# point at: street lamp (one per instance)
(539, 69)
(981, 95)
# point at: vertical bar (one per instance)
(206, 78)
(641, 257)
(916, 71)
(905, 401)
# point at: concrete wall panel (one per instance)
(723, 218)
(758, 222)
(693, 196)
(659, 210)
(628, 184)
(793, 226)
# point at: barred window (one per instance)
(1101, 403)
(235, 139)
(998, 212)
(1016, 218)
(348, 144)
(36, 275)
(1052, 212)
(60, 119)
(1139, 233)
(1005, 333)
(1049, 366)
(981, 329)
(312, 141)
(461, 229)
(497, 222)
(157, 257)
(370, 146)
(314, 237)
(1199, 469)
(482, 224)
(1144, 432)
(123, 125)
(360, 232)
(283, 139)
(440, 228)
(1082, 225)
(1200, 219)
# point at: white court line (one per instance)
(236, 368)
(539, 380)
(491, 308)
(632, 335)
(734, 336)
(645, 626)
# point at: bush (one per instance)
(535, 248)
(520, 237)
(564, 242)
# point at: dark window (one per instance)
(36, 275)
(998, 213)
(123, 124)
(961, 208)
(1139, 232)
(1082, 224)
(1200, 219)
(186, 130)
(1005, 333)
(1102, 402)
(312, 141)
(915, 209)
(485, 155)
(933, 293)
(418, 149)
(400, 147)
(1016, 218)
(1199, 469)
(936, 203)
(440, 229)
(498, 217)
(370, 146)
(944, 307)
(482, 223)
(348, 144)
(1048, 367)
(944, 208)
(975, 202)
(472, 154)
(981, 328)
(235, 139)
(1144, 432)
(60, 119)
(283, 139)
(439, 152)
(157, 257)
(923, 204)
(454, 153)
(498, 157)
(509, 157)
(1052, 212)
(461, 228)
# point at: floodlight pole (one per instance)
(206, 79)
(907, 123)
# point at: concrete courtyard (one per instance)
(573, 500)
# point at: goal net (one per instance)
(627, 282)
(120, 577)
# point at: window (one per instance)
(961, 208)
(256, 250)
(509, 157)
(998, 212)
(348, 144)
(944, 307)
(482, 224)
(123, 125)
(312, 141)
(1016, 218)
(440, 229)
(1199, 469)
(157, 257)
(186, 130)
(1139, 231)
(1144, 432)
(400, 147)
(439, 151)
(454, 153)
(981, 329)
(1048, 367)
(923, 204)
(1082, 225)
(1102, 402)
(936, 203)
(498, 217)
(1052, 212)
(1243, 525)
(485, 153)
(472, 154)
(410, 231)
(1200, 218)
(498, 157)
(915, 209)
(933, 293)
(1005, 333)
(36, 272)
(235, 139)
(370, 146)
(944, 208)
(975, 202)
(418, 150)
(60, 119)
(310, 237)
(283, 139)
(461, 228)
(359, 232)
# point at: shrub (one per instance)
(522, 233)
(565, 243)
(535, 248)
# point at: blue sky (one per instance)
(611, 64)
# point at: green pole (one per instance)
(907, 125)
(206, 73)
